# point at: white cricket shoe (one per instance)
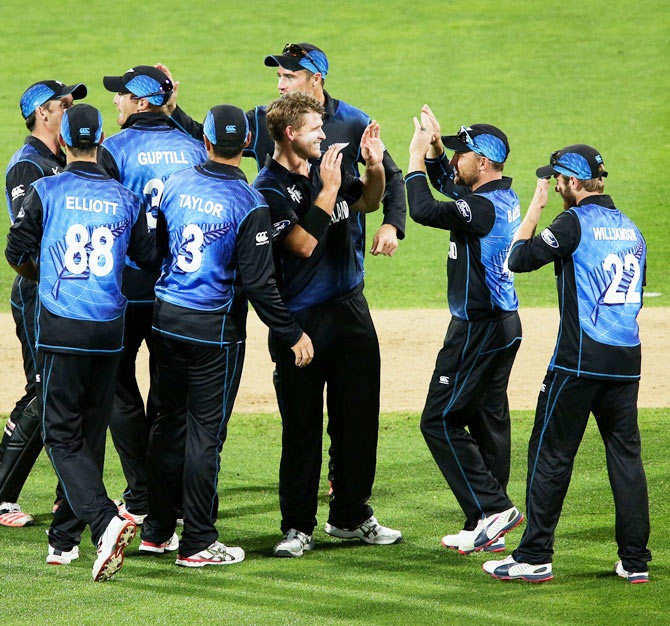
(148, 547)
(293, 543)
(111, 548)
(491, 528)
(509, 569)
(11, 515)
(136, 518)
(62, 557)
(215, 554)
(465, 539)
(631, 577)
(370, 531)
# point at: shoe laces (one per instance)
(10, 507)
(291, 534)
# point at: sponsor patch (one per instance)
(295, 194)
(277, 227)
(548, 238)
(262, 238)
(18, 191)
(464, 209)
(543, 387)
(231, 128)
(444, 380)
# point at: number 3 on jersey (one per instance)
(613, 295)
(153, 191)
(100, 260)
(191, 241)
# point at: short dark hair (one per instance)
(288, 111)
(590, 184)
(30, 122)
(77, 153)
(226, 152)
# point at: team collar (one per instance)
(41, 147)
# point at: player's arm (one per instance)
(25, 235)
(143, 248)
(107, 162)
(558, 240)
(439, 171)
(256, 271)
(373, 181)
(18, 181)
(301, 236)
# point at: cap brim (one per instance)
(286, 61)
(452, 142)
(78, 91)
(114, 83)
(546, 171)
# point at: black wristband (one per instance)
(315, 222)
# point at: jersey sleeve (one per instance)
(472, 214)
(18, 181)
(394, 205)
(351, 188)
(25, 235)
(560, 239)
(282, 216)
(256, 270)
(441, 176)
(186, 124)
(108, 163)
(143, 248)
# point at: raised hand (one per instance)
(372, 148)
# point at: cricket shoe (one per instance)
(62, 557)
(148, 547)
(216, 554)
(294, 543)
(11, 515)
(370, 531)
(111, 548)
(136, 518)
(509, 569)
(454, 542)
(631, 577)
(490, 529)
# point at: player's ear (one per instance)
(208, 144)
(247, 141)
(288, 133)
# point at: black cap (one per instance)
(143, 81)
(81, 126)
(226, 125)
(483, 139)
(43, 91)
(300, 56)
(579, 160)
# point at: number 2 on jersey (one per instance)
(613, 295)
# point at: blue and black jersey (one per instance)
(342, 123)
(482, 225)
(599, 258)
(79, 226)
(334, 269)
(29, 163)
(141, 157)
(219, 254)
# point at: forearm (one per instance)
(529, 223)
(373, 184)
(394, 202)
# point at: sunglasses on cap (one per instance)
(298, 51)
(554, 161)
(464, 136)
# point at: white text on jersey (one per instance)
(171, 157)
(75, 203)
(198, 204)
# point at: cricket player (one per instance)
(599, 258)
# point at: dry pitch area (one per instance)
(410, 340)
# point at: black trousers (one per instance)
(347, 362)
(563, 409)
(465, 421)
(76, 391)
(18, 457)
(197, 386)
(130, 423)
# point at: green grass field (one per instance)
(548, 74)
(416, 582)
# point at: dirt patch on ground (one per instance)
(409, 340)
